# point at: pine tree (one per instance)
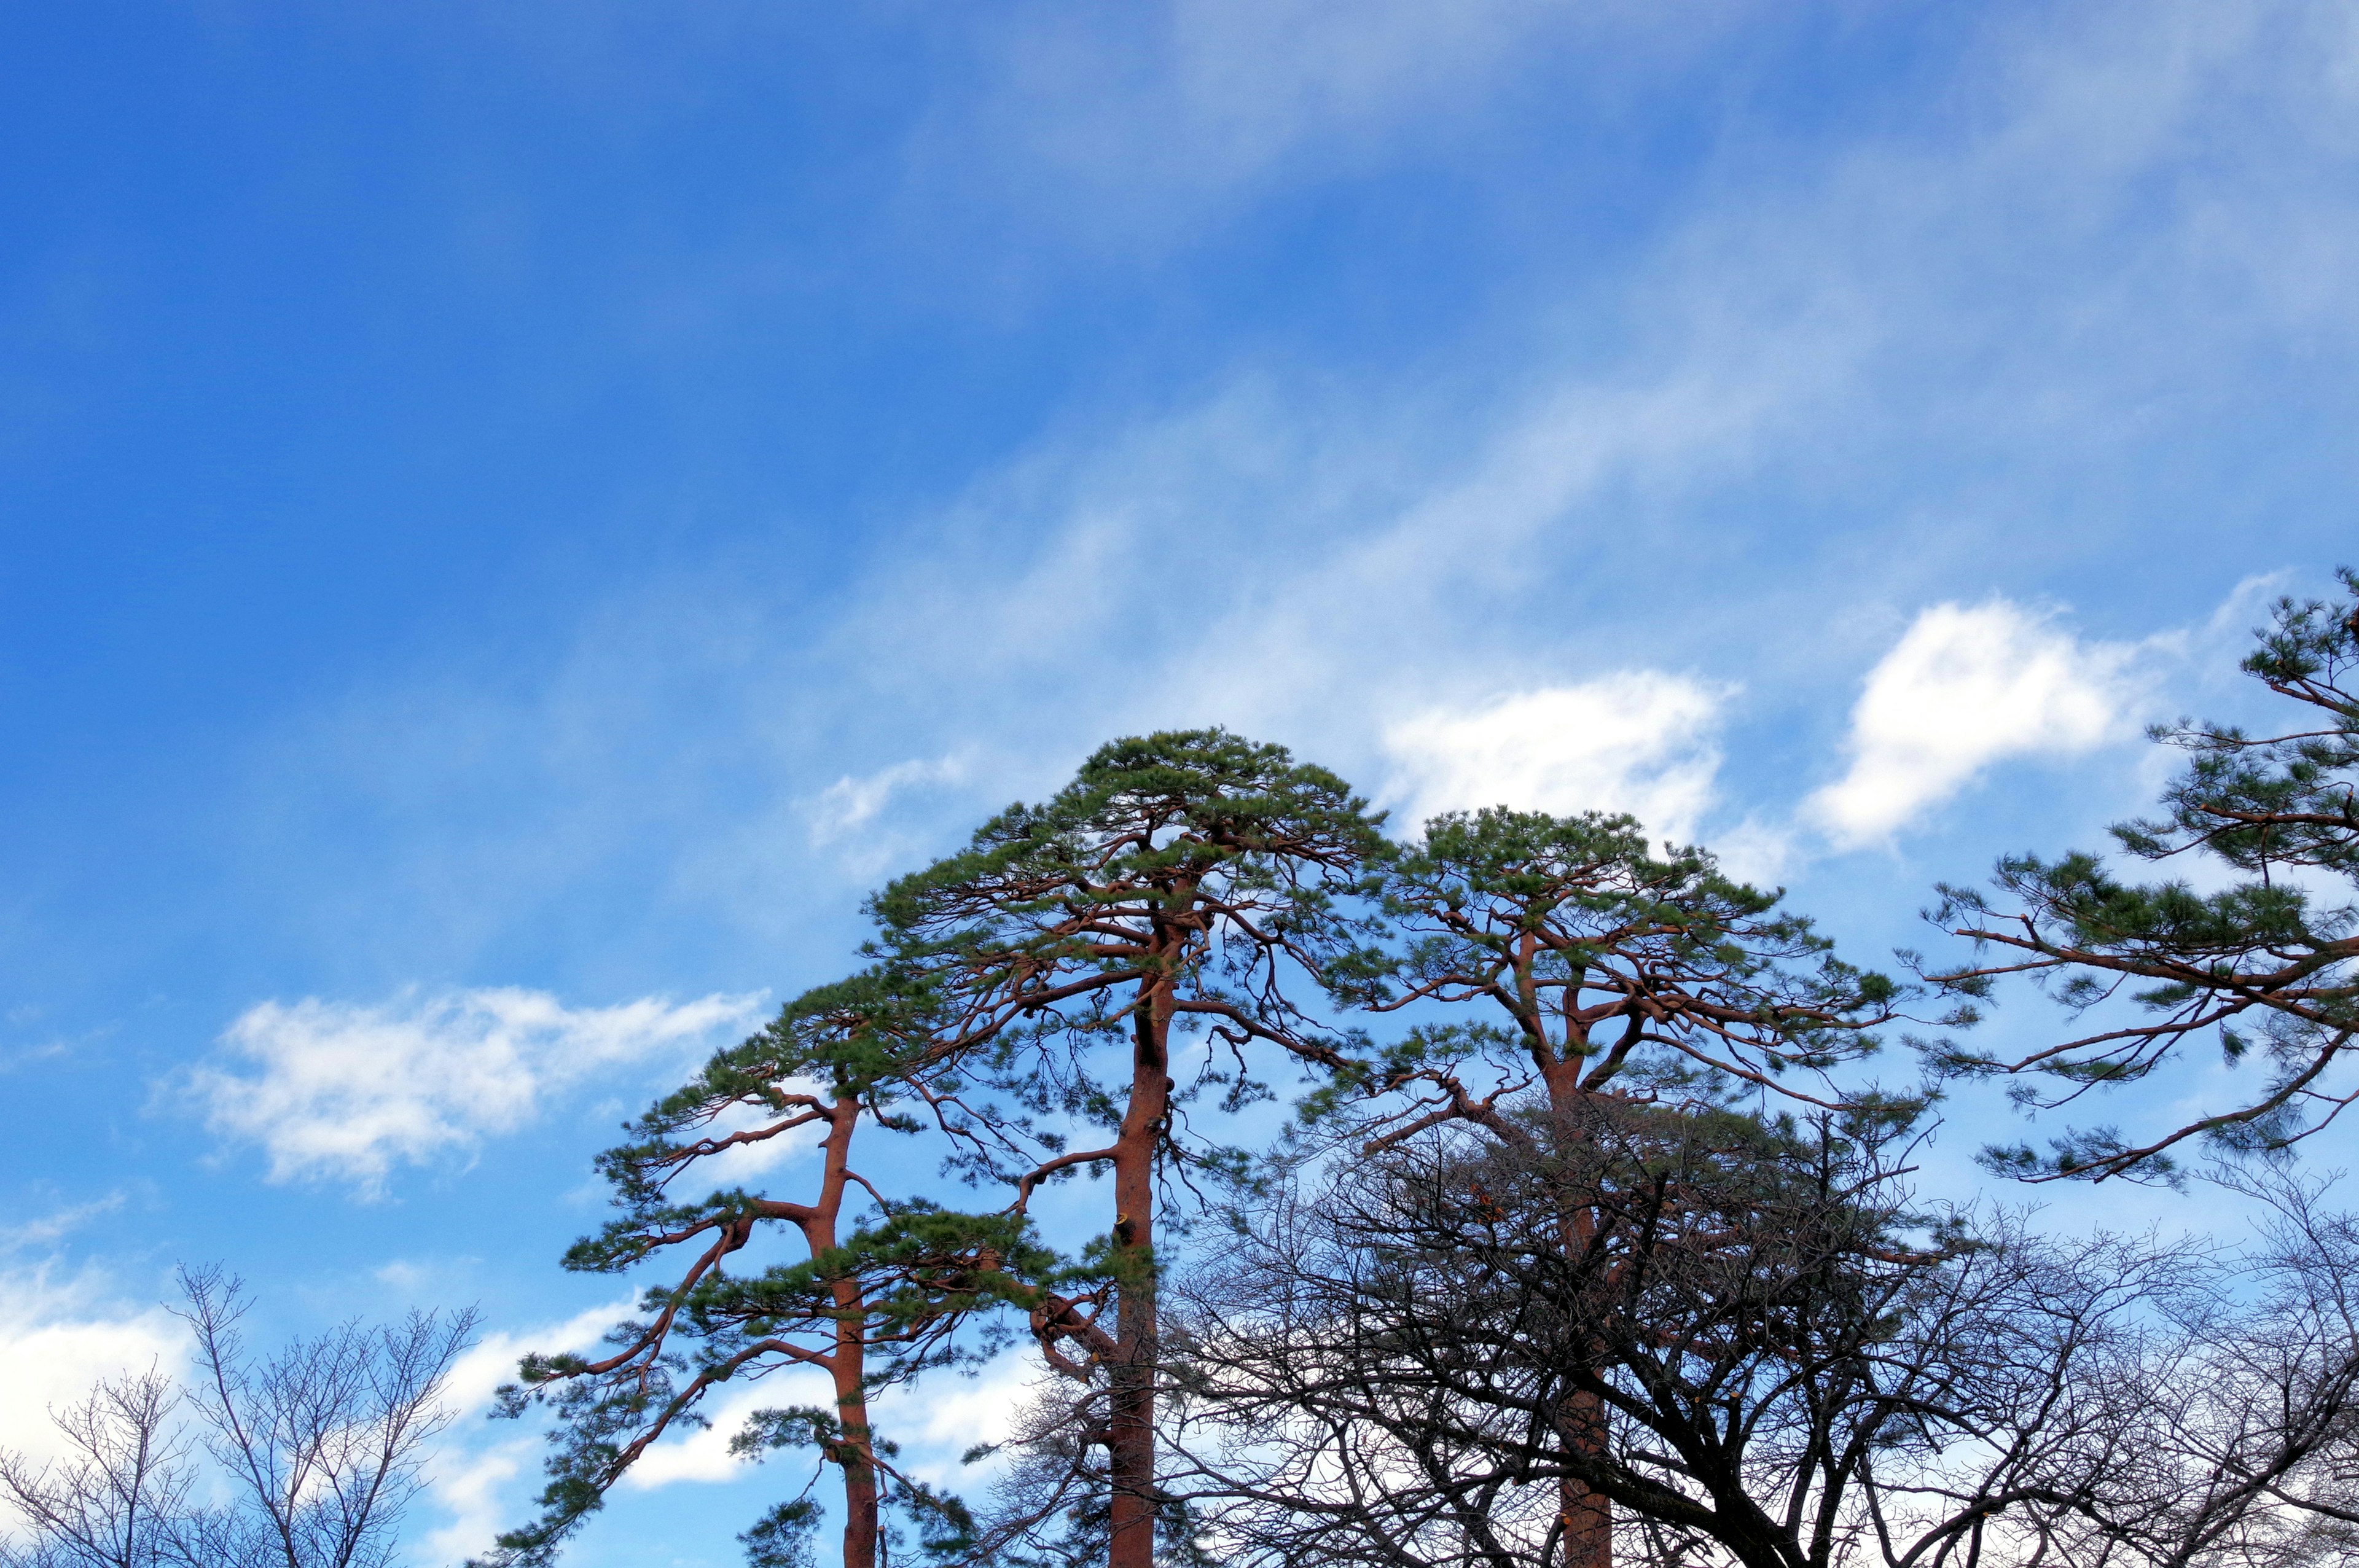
(1175, 888)
(2265, 968)
(869, 1309)
(1603, 976)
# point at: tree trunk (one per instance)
(1130, 1427)
(859, 1470)
(848, 1363)
(1587, 1516)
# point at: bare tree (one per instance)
(1795, 1371)
(1578, 966)
(323, 1442)
(119, 1498)
(2241, 1432)
(319, 1450)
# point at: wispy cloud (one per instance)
(852, 804)
(347, 1091)
(491, 1360)
(1813, 397)
(850, 819)
(935, 1425)
(56, 1225)
(1150, 120)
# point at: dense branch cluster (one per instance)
(1793, 1371)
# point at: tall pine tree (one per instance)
(867, 1307)
(1580, 972)
(1170, 894)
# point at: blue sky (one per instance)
(513, 516)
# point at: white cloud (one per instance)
(58, 1338)
(475, 1490)
(689, 1454)
(846, 817)
(473, 1482)
(1817, 331)
(491, 1360)
(1756, 850)
(934, 1423)
(340, 1090)
(1638, 741)
(1965, 688)
(937, 1422)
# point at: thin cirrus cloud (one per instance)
(850, 819)
(1405, 540)
(1154, 115)
(850, 803)
(1636, 740)
(346, 1092)
(1966, 688)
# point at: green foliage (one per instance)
(943, 1526)
(1143, 818)
(902, 1286)
(1177, 886)
(920, 1269)
(869, 1038)
(1601, 967)
(908, 1282)
(1193, 871)
(1185, 885)
(782, 1537)
(2265, 968)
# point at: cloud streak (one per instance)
(1730, 459)
(1150, 121)
(342, 1091)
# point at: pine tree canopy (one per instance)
(2265, 968)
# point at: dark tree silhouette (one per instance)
(1600, 975)
(1795, 1371)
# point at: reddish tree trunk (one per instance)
(847, 1364)
(859, 1474)
(1130, 1435)
(1587, 1516)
